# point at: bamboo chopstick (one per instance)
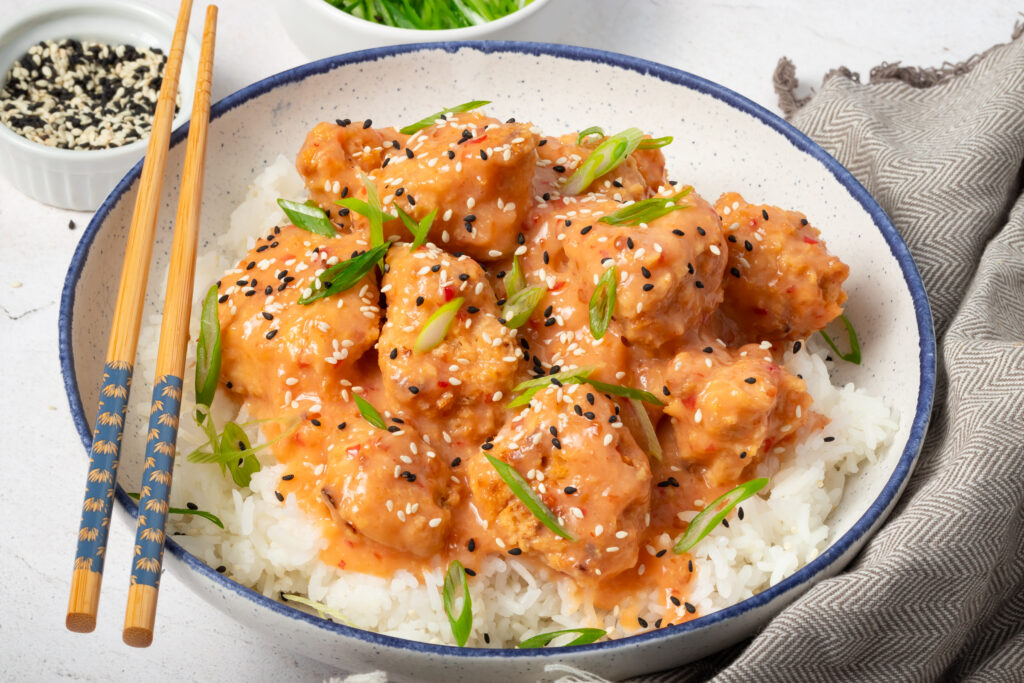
(124, 335)
(140, 615)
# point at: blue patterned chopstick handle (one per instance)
(156, 481)
(103, 461)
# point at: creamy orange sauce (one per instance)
(707, 298)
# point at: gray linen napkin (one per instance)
(939, 591)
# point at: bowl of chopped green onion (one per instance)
(321, 28)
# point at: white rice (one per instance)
(274, 548)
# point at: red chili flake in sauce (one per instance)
(810, 240)
(443, 384)
(479, 139)
(449, 293)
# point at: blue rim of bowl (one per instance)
(873, 515)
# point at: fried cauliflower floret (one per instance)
(783, 284)
(273, 346)
(475, 171)
(729, 408)
(669, 271)
(466, 380)
(388, 486)
(586, 468)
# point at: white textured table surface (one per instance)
(734, 43)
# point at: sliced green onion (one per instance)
(369, 413)
(186, 511)
(650, 434)
(370, 209)
(454, 578)
(586, 637)
(584, 134)
(655, 143)
(345, 274)
(628, 392)
(437, 326)
(232, 453)
(602, 302)
(605, 157)
(519, 306)
(308, 217)
(647, 210)
(854, 355)
(419, 230)
(708, 518)
(532, 386)
(528, 497)
(208, 350)
(320, 607)
(429, 121)
(515, 280)
(243, 467)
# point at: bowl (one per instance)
(722, 141)
(80, 179)
(321, 30)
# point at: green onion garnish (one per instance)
(429, 121)
(370, 209)
(628, 392)
(605, 157)
(437, 326)
(532, 386)
(309, 217)
(186, 511)
(708, 518)
(515, 280)
(655, 143)
(462, 624)
(419, 230)
(225, 450)
(650, 434)
(208, 350)
(244, 466)
(345, 274)
(602, 302)
(647, 210)
(586, 637)
(519, 306)
(584, 134)
(854, 355)
(320, 607)
(528, 497)
(369, 413)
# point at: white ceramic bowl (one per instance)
(80, 179)
(321, 30)
(722, 141)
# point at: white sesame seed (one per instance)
(435, 522)
(698, 416)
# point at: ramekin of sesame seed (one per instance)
(78, 85)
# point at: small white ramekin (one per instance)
(81, 179)
(320, 30)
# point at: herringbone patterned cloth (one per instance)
(938, 593)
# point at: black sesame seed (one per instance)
(725, 523)
(735, 272)
(191, 506)
(796, 347)
(252, 264)
(689, 608)
(743, 455)
(699, 284)
(393, 429)
(558, 168)
(288, 477)
(675, 601)
(556, 443)
(590, 398)
(471, 545)
(463, 276)
(267, 316)
(648, 287)
(569, 490)
(586, 229)
(71, 225)
(579, 411)
(701, 231)
(419, 301)
(515, 551)
(542, 142)
(643, 271)
(342, 122)
(472, 309)
(222, 299)
(642, 622)
(414, 390)
(271, 334)
(679, 232)
(657, 624)
(228, 385)
(589, 415)
(221, 569)
(435, 268)
(399, 192)
(689, 268)
(367, 123)
(456, 462)
(487, 638)
(469, 572)
(487, 446)
(483, 154)
(546, 196)
(629, 243)
(689, 565)
(408, 153)
(617, 183)
(315, 422)
(280, 498)
(739, 513)
(342, 425)
(803, 221)
(750, 380)
(549, 322)
(764, 214)
(747, 245)
(829, 439)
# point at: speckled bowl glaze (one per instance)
(722, 142)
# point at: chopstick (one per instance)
(84, 598)
(140, 615)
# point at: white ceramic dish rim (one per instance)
(78, 156)
(873, 515)
(331, 13)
